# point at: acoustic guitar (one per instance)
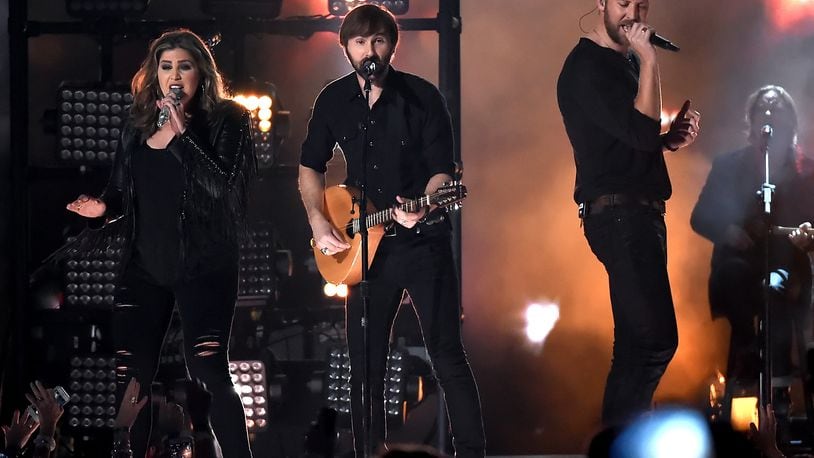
(342, 210)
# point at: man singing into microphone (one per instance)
(731, 217)
(408, 138)
(609, 95)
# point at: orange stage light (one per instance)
(791, 16)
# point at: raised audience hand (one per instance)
(130, 406)
(19, 431)
(47, 406)
(765, 437)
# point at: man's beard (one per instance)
(614, 31)
(379, 69)
(381, 65)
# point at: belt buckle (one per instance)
(582, 212)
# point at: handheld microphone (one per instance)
(164, 114)
(663, 43)
(369, 68)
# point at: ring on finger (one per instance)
(324, 250)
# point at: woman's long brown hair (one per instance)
(145, 87)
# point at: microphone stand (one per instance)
(766, 191)
(364, 285)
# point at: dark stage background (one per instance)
(521, 238)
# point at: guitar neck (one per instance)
(782, 230)
(385, 216)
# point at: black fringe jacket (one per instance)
(217, 153)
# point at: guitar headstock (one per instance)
(449, 194)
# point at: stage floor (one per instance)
(535, 456)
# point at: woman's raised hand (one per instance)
(89, 207)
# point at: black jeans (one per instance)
(426, 271)
(631, 241)
(206, 305)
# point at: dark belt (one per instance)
(606, 201)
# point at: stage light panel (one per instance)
(342, 7)
(249, 378)
(90, 118)
(105, 8)
(93, 392)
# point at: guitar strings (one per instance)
(407, 206)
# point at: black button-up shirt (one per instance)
(617, 149)
(409, 135)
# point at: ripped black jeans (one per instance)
(206, 305)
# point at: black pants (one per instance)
(206, 306)
(426, 271)
(631, 241)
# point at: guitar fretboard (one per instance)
(385, 216)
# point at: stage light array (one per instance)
(337, 393)
(89, 123)
(90, 277)
(267, 9)
(338, 388)
(395, 383)
(93, 388)
(97, 8)
(270, 125)
(341, 7)
(249, 378)
(262, 264)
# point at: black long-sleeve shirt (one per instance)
(409, 138)
(617, 149)
(158, 177)
(729, 198)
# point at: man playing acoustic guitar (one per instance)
(731, 217)
(407, 132)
